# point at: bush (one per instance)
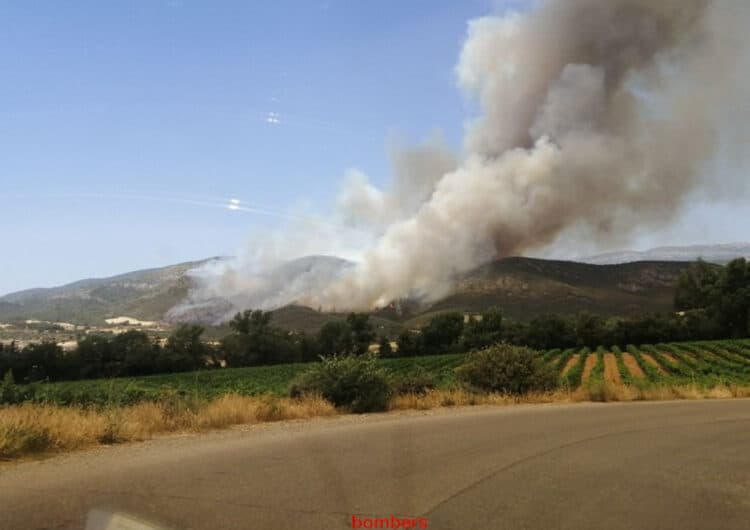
(346, 381)
(507, 369)
(8, 392)
(417, 381)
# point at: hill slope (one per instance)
(521, 287)
(146, 294)
(525, 287)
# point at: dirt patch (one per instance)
(650, 360)
(590, 363)
(611, 373)
(632, 365)
(690, 356)
(671, 358)
(570, 364)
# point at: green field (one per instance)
(705, 363)
(210, 383)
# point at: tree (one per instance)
(590, 330)
(362, 332)
(184, 349)
(732, 307)
(254, 341)
(43, 360)
(385, 349)
(697, 286)
(409, 344)
(335, 338)
(251, 322)
(95, 357)
(723, 293)
(550, 331)
(134, 354)
(483, 331)
(442, 333)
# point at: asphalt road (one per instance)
(661, 465)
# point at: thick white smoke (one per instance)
(597, 117)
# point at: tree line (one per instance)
(711, 302)
(253, 341)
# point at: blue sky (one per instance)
(101, 99)
(105, 103)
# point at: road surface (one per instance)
(661, 465)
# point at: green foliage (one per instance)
(573, 378)
(361, 332)
(416, 381)
(409, 344)
(722, 292)
(443, 333)
(563, 359)
(250, 322)
(590, 329)
(356, 382)
(506, 368)
(483, 331)
(8, 391)
(625, 374)
(597, 388)
(384, 347)
(597, 372)
(547, 331)
(255, 342)
(652, 373)
(352, 336)
(184, 349)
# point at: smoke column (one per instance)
(597, 118)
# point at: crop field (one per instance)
(211, 383)
(704, 363)
(707, 364)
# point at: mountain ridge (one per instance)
(521, 287)
(718, 253)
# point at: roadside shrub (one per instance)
(8, 391)
(417, 381)
(358, 383)
(507, 369)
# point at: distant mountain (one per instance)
(521, 287)
(144, 294)
(720, 254)
(275, 287)
(526, 287)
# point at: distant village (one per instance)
(66, 334)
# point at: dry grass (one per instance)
(570, 364)
(671, 358)
(632, 366)
(611, 373)
(40, 428)
(28, 428)
(458, 398)
(588, 367)
(650, 360)
(604, 392)
(663, 392)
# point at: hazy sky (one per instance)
(126, 127)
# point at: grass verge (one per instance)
(30, 428)
(33, 428)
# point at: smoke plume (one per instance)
(597, 117)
